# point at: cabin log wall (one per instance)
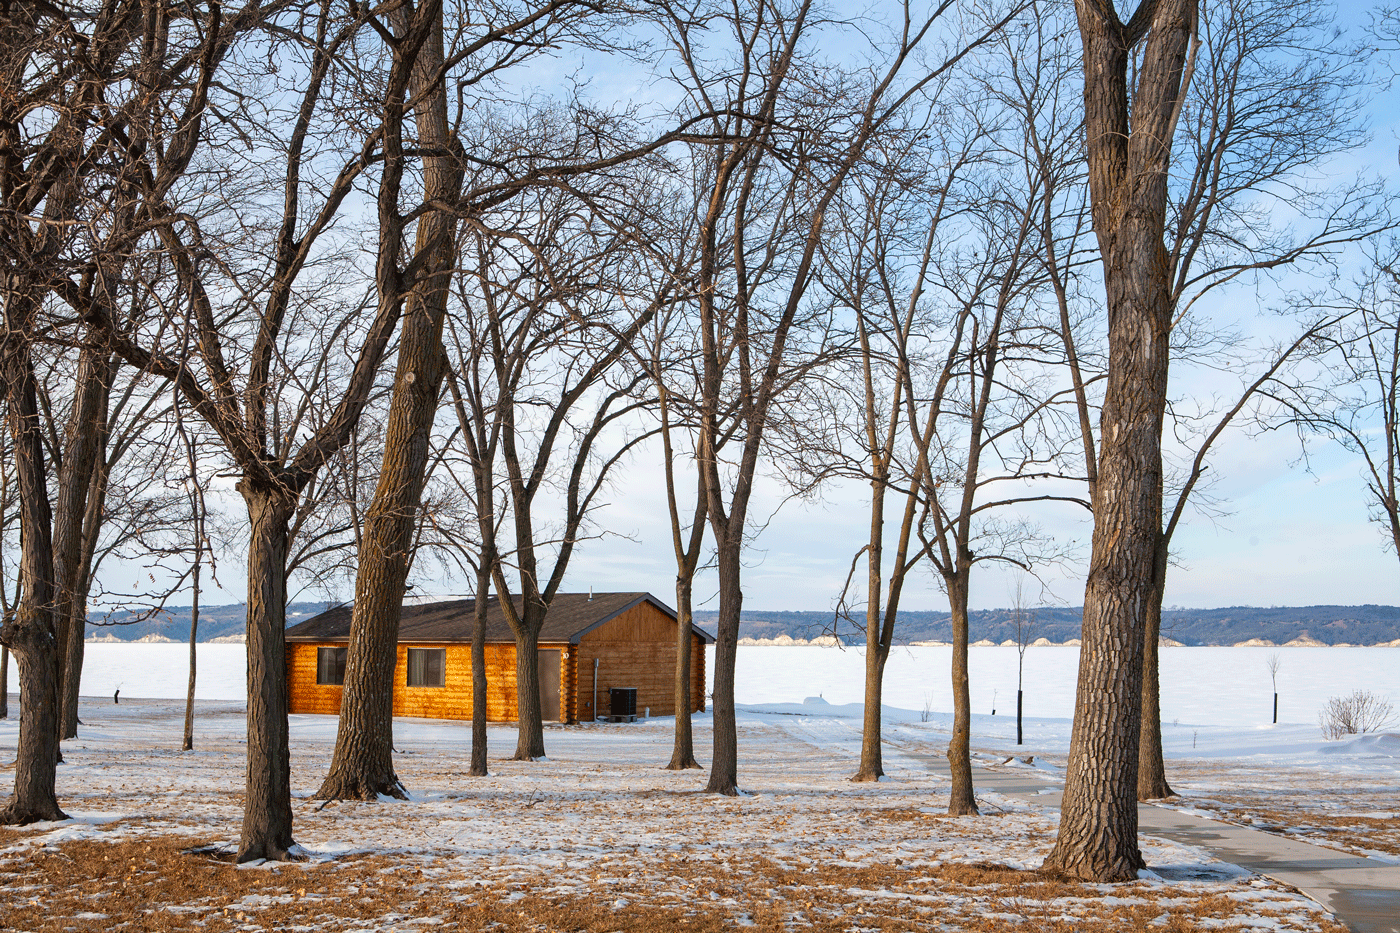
(453, 700)
(635, 649)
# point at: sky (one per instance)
(1288, 531)
(1292, 531)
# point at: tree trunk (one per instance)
(530, 741)
(188, 743)
(724, 762)
(683, 750)
(362, 766)
(876, 651)
(479, 700)
(30, 631)
(84, 446)
(92, 526)
(73, 654)
(36, 764)
(871, 763)
(1129, 154)
(961, 799)
(5, 683)
(1152, 769)
(267, 812)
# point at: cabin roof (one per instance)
(570, 617)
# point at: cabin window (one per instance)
(330, 666)
(427, 667)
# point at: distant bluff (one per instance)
(1328, 625)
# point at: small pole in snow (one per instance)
(116, 701)
(994, 702)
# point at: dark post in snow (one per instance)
(1025, 624)
(1272, 662)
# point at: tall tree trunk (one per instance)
(83, 448)
(1152, 768)
(92, 527)
(1129, 147)
(683, 748)
(687, 559)
(961, 800)
(530, 741)
(362, 766)
(267, 811)
(4, 681)
(724, 762)
(188, 743)
(30, 631)
(876, 650)
(479, 697)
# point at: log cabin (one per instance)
(590, 643)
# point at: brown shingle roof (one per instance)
(571, 616)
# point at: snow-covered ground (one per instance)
(599, 838)
(596, 838)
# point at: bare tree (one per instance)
(275, 439)
(86, 86)
(1129, 134)
(782, 158)
(481, 46)
(548, 294)
(669, 358)
(362, 764)
(1274, 93)
(1356, 403)
(877, 264)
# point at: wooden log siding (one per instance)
(453, 700)
(636, 649)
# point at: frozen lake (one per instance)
(1200, 686)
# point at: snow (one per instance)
(598, 820)
(1202, 688)
(601, 822)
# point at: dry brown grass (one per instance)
(158, 884)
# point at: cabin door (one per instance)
(549, 685)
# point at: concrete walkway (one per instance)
(1363, 893)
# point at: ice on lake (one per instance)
(1221, 687)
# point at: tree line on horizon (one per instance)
(338, 283)
(1224, 626)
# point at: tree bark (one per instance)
(961, 799)
(29, 633)
(1152, 768)
(876, 650)
(683, 748)
(724, 762)
(687, 559)
(479, 699)
(267, 811)
(362, 766)
(530, 740)
(1129, 154)
(83, 449)
(188, 743)
(5, 682)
